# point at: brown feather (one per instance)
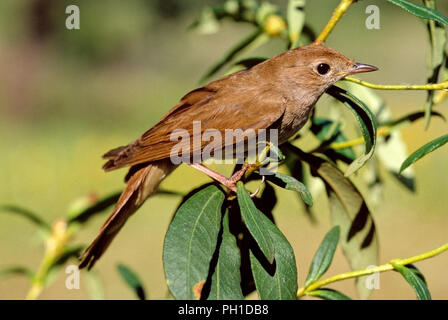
(141, 185)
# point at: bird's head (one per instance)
(315, 68)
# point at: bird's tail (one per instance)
(142, 184)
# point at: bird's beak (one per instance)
(361, 68)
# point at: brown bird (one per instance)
(278, 93)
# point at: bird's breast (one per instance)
(295, 116)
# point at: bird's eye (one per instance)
(323, 68)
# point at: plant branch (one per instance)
(434, 86)
(364, 272)
(55, 247)
(337, 15)
(382, 132)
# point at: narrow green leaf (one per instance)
(254, 40)
(391, 150)
(290, 183)
(436, 58)
(366, 121)
(414, 279)
(296, 21)
(423, 151)
(132, 280)
(191, 241)
(328, 131)
(69, 252)
(324, 256)
(83, 213)
(421, 11)
(55, 268)
(252, 218)
(226, 279)
(328, 294)
(29, 215)
(301, 172)
(275, 280)
(348, 210)
(16, 270)
(169, 193)
(410, 118)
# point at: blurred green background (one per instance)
(66, 97)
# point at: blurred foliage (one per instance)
(68, 94)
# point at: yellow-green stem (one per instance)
(55, 247)
(434, 86)
(382, 268)
(382, 131)
(337, 15)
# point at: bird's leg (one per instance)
(229, 183)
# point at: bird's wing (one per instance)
(217, 106)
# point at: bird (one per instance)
(278, 93)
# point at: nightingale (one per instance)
(278, 93)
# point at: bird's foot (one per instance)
(229, 183)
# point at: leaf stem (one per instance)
(364, 272)
(382, 131)
(337, 15)
(433, 86)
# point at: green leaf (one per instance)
(252, 218)
(328, 132)
(366, 121)
(275, 280)
(328, 294)
(423, 151)
(413, 277)
(29, 215)
(290, 183)
(169, 193)
(254, 40)
(132, 280)
(296, 21)
(409, 119)
(84, 212)
(16, 270)
(324, 256)
(60, 261)
(226, 279)
(392, 151)
(301, 172)
(421, 11)
(436, 58)
(348, 210)
(191, 241)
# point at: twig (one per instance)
(434, 86)
(359, 273)
(337, 15)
